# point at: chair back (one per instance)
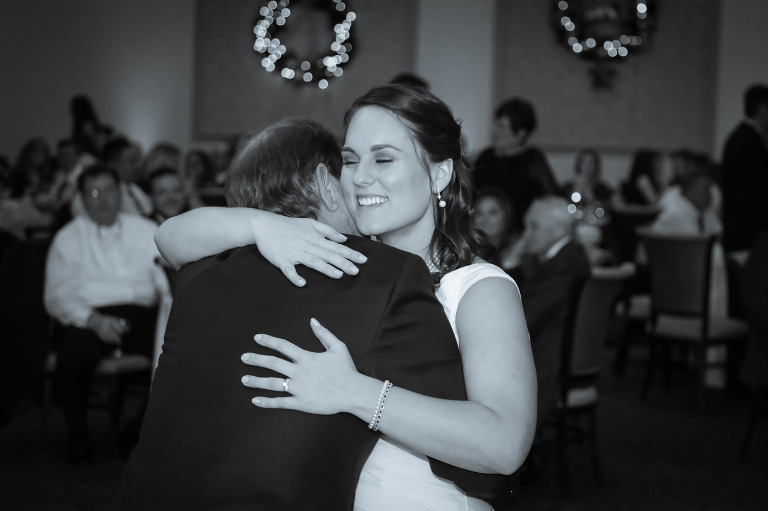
(625, 220)
(593, 315)
(679, 270)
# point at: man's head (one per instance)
(99, 185)
(514, 121)
(756, 104)
(291, 168)
(166, 189)
(119, 153)
(547, 221)
(67, 154)
(697, 188)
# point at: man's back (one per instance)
(745, 187)
(204, 445)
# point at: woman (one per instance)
(587, 183)
(650, 175)
(494, 216)
(405, 181)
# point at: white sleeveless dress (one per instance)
(396, 478)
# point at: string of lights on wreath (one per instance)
(304, 69)
(586, 45)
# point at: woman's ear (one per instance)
(441, 174)
(327, 187)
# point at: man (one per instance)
(551, 272)
(120, 154)
(203, 444)
(168, 194)
(511, 164)
(745, 173)
(102, 285)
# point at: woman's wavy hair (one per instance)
(437, 134)
(275, 170)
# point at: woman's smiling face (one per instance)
(385, 182)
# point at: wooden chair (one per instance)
(582, 362)
(680, 268)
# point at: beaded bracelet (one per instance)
(374, 424)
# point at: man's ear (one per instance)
(327, 187)
(441, 174)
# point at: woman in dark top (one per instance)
(519, 169)
(587, 182)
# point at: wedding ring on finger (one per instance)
(285, 384)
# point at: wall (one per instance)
(132, 57)
(455, 53)
(234, 94)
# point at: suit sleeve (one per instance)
(415, 347)
(417, 350)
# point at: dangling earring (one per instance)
(440, 201)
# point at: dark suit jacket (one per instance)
(203, 445)
(754, 290)
(549, 291)
(745, 187)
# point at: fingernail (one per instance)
(314, 322)
(338, 273)
(244, 357)
(245, 379)
(256, 401)
(362, 258)
(302, 282)
(354, 270)
(257, 337)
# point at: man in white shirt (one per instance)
(102, 285)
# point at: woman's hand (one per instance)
(286, 242)
(319, 383)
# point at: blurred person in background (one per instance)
(33, 172)
(162, 154)
(587, 182)
(411, 80)
(550, 268)
(168, 194)
(102, 284)
(745, 173)
(493, 214)
(199, 172)
(5, 177)
(690, 213)
(119, 154)
(685, 164)
(521, 170)
(85, 124)
(650, 175)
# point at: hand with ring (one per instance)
(319, 383)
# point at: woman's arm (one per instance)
(283, 241)
(490, 433)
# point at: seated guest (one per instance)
(119, 153)
(551, 271)
(493, 214)
(754, 293)
(684, 164)
(102, 284)
(162, 154)
(168, 194)
(33, 172)
(690, 213)
(198, 172)
(521, 170)
(586, 180)
(650, 175)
